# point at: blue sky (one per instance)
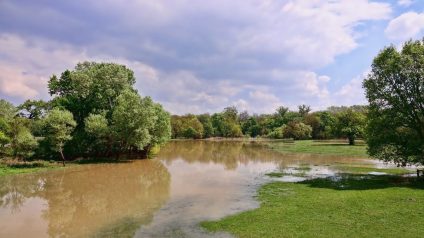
(201, 56)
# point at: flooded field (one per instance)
(188, 182)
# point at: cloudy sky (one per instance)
(200, 56)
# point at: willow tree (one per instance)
(395, 91)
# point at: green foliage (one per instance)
(350, 124)
(208, 130)
(91, 87)
(395, 89)
(7, 110)
(281, 124)
(132, 118)
(22, 142)
(277, 133)
(33, 109)
(187, 126)
(58, 126)
(297, 131)
(251, 127)
(226, 123)
(161, 129)
(111, 116)
(97, 125)
(191, 133)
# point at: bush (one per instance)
(297, 131)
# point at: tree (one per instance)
(206, 121)
(277, 133)
(97, 126)
(7, 110)
(91, 88)
(314, 121)
(4, 140)
(22, 142)
(58, 126)
(251, 127)
(304, 110)
(33, 109)
(132, 118)
(187, 126)
(297, 130)
(350, 124)
(395, 91)
(230, 126)
(161, 129)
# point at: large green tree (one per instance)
(91, 87)
(395, 91)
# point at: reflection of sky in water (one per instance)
(189, 181)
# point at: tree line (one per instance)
(94, 111)
(335, 122)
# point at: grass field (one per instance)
(352, 203)
(326, 147)
(349, 206)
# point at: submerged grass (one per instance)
(341, 206)
(367, 170)
(326, 147)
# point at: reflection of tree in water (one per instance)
(15, 189)
(99, 200)
(233, 153)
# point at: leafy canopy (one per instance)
(395, 91)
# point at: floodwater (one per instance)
(188, 182)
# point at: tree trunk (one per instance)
(146, 151)
(63, 157)
(351, 140)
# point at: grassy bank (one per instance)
(11, 167)
(325, 147)
(349, 206)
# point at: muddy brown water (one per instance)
(188, 182)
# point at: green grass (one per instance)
(350, 206)
(275, 174)
(7, 170)
(10, 166)
(326, 147)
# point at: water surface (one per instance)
(188, 182)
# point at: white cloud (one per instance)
(191, 56)
(25, 68)
(405, 3)
(307, 33)
(351, 93)
(406, 26)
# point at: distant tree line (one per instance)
(335, 122)
(95, 111)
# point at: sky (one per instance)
(197, 56)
